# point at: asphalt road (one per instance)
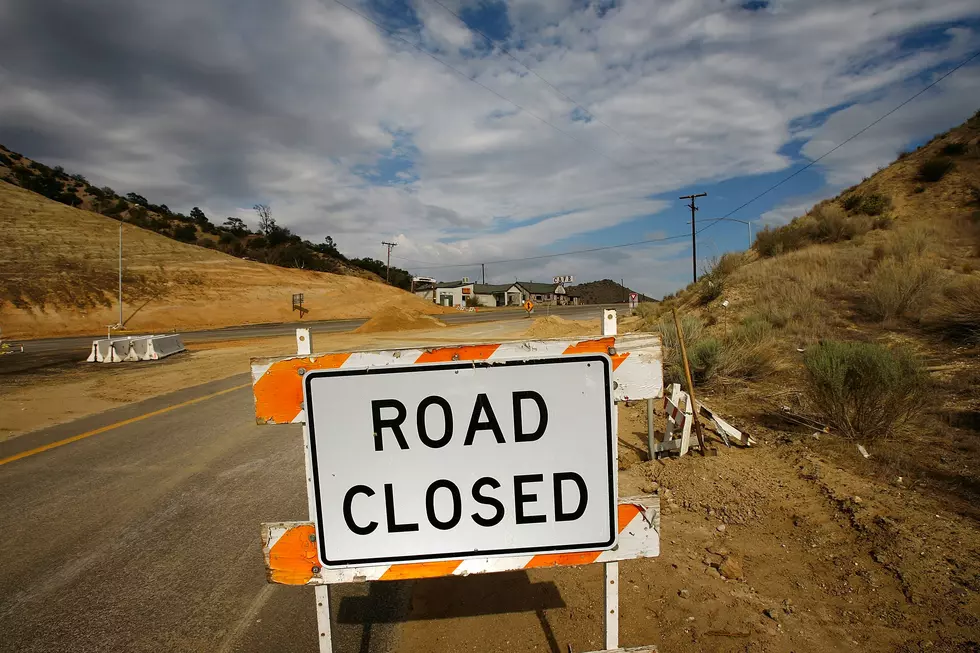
(48, 352)
(145, 537)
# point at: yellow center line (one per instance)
(131, 420)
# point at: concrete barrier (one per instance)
(134, 348)
(162, 346)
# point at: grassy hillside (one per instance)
(58, 276)
(269, 243)
(863, 314)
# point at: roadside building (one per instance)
(466, 293)
(547, 293)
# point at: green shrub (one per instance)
(752, 329)
(874, 204)
(185, 233)
(830, 224)
(900, 288)
(774, 241)
(934, 169)
(711, 289)
(954, 149)
(704, 356)
(5, 160)
(647, 310)
(919, 189)
(851, 202)
(864, 390)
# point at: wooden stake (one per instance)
(690, 382)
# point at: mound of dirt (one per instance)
(59, 275)
(556, 327)
(398, 318)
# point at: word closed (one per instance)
(455, 460)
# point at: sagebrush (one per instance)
(864, 390)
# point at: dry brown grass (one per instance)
(956, 315)
(58, 276)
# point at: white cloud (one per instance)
(279, 107)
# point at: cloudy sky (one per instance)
(473, 131)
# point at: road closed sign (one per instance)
(462, 459)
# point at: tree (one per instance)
(137, 199)
(186, 233)
(197, 215)
(267, 224)
(236, 226)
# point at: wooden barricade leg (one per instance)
(611, 603)
(651, 443)
(304, 347)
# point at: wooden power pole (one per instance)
(694, 233)
(388, 264)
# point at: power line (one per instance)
(779, 183)
(459, 72)
(500, 46)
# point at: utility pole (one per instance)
(120, 276)
(483, 272)
(622, 283)
(388, 265)
(694, 233)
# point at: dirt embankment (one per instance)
(58, 276)
(396, 318)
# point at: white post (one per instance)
(304, 347)
(612, 605)
(611, 569)
(608, 321)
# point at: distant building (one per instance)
(466, 293)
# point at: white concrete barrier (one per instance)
(163, 346)
(134, 348)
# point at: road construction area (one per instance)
(137, 529)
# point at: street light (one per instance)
(747, 224)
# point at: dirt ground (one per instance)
(818, 557)
(796, 544)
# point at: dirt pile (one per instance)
(557, 327)
(58, 276)
(398, 318)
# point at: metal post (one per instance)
(120, 275)
(304, 347)
(483, 272)
(611, 615)
(651, 442)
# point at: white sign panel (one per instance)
(463, 459)
(564, 279)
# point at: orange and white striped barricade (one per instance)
(292, 550)
(677, 436)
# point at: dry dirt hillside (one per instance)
(58, 276)
(862, 316)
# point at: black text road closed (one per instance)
(455, 460)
